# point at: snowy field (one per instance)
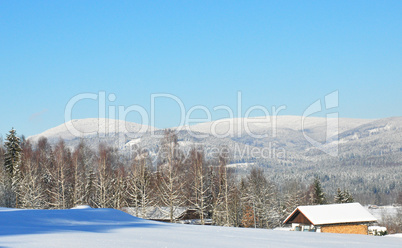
(86, 227)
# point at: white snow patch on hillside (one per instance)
(240, 165)
(112, 228)
(133, 142)
(186, 143)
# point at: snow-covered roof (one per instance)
(334, 213)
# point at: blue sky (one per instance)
(204, 52)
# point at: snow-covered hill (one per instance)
(91, 127)
(260, 125)
(81, 128)
(287, 131)
(373, 142)
(86, 227)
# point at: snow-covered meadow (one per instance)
(86, 227)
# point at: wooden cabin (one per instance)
(350, 218)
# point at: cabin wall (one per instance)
(300, 218)
(346, 228)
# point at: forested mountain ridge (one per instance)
(369, 156)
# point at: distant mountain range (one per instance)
(368, 158)
(293, 135)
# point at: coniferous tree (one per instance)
(343, 196)
(12, 157)
(12, 166)
(339, 197)
(317, 195)
(90, 188)
(348, 197)
(2, 174)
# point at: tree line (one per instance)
(39, 176)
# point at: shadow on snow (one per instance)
(20, 222)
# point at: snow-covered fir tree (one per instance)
(343, 196)
(317, 195)
(12, 163)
